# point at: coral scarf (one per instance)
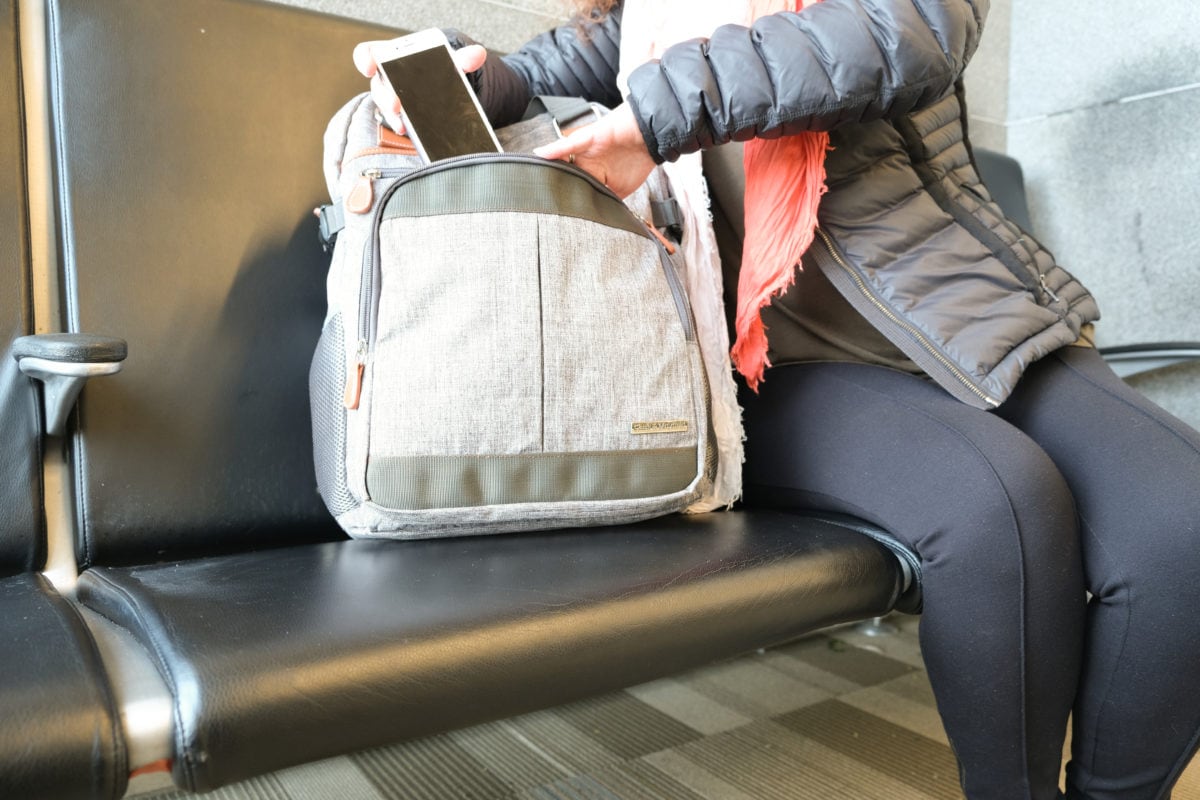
(785, 177)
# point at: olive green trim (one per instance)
(510, 186)
(426, 482)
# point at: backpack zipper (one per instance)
(912, 331)
(372, 256)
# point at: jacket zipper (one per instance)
(372, 256)
(958, 374)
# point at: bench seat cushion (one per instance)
(285, 656)
(58, 727)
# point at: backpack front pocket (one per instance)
(528, 344)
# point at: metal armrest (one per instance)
(63, 362)
(1133, 359)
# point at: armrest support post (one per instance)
(63, 362)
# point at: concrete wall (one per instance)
(1100, 102)
(501, 25)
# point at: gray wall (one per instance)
(1100, 102)
(501, 25)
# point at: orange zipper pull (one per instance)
(354, 379)
(657, 235)
(362, 196)
(390, 140)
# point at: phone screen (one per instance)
(439, 106)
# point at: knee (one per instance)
(1013, 510)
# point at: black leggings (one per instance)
(1076, 482)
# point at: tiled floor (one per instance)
(839, 716)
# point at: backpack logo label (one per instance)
(668, 426)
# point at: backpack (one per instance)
(508, 345)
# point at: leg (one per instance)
(1135, 474)
(994, 524)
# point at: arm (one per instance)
(836, 62)
(562, 62)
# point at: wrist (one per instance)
(649, 140)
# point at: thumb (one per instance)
(557, 149)
(470, 58)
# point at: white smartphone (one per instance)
(440, 110)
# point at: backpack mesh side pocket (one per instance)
(326, 381)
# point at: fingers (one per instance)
(364, 58)
(387, 103)
(366, 61)
(575, 144)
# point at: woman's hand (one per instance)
(611, 149)
(468, 59)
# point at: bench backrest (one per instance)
(189, 165)
(20, 480)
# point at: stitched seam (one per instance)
(933, 30)
(1165, 424)
(1020, 549)
(1145, 412)
(1021, 563)
(1178, 767)
(1112, 677)
(108, 773)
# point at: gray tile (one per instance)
(767, 760)
(924, 764)
(859, 666)
(634, 780)
(695, 777)
(626, 726)
(559, 742)
(428, 769)
(752, 688)
(685, 704)
(1115, 193)
(502, 752)
(1068, 55)
(336, 777)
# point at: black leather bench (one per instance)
(58, 724)
(181, 600)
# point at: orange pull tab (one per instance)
(162, 765)
(361, 197)
(658, 235)
(395, 141)
(354, 382)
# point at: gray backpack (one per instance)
(508, 345)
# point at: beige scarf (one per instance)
(784, 180)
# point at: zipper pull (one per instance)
(658, 235)
(354, 378)
(1046, 289)
(362, 196)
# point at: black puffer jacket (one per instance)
(908, 232)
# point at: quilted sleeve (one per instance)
(568, 61)
(833, 63)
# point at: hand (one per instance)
(468, 59)
(611, 149)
